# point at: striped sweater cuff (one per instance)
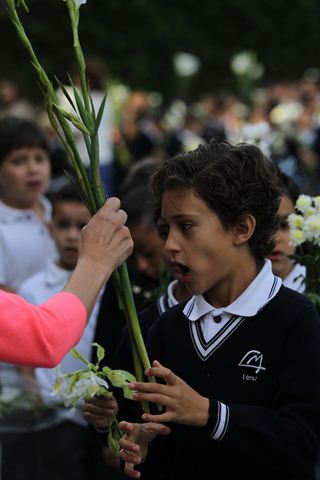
(218, 420)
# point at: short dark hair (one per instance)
(233, 181)
(291, 189)
(67, 193)
(139, 205)
(16, 133)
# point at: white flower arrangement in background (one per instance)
(305, 236)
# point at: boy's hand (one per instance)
(182, 403)
(97, 410)
(135, 443)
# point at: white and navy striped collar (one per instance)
(260, 291)
(167, 300)
(296, 278)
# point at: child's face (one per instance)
(24, 177)
(147, 251)
(66, 225)
(201, 250)
(281, 264)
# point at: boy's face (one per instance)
(281, 264)
(201, 250)
(68, 220)
(24, 177)
(147, 250)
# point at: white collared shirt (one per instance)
(25, 243)
(38, 289)
(295, 279)
(259, 292)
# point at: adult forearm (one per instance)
(86, 282)
(39, 335)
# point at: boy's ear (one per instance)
(244, 229)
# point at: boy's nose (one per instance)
(33, 165)
(74, 232)
(171, 244)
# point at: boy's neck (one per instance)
(61, 264)
(231, 288)
(36, 207)
(20, 205)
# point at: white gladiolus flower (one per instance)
(304, 202)
(79, 2)
(297, 237)
(296, 221)
(82, 384)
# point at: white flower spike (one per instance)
(79, 2)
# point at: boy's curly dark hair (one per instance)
(233, 181)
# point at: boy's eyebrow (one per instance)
(182, 216)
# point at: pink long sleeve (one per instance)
(39, 335)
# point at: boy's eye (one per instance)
(41, 159)
(284, 225)
(163, 231)
(18, 161)
(65, 225)
(185, 226)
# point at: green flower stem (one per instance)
(81, 357)
(88, 106)
(74, 20)
(130, 307)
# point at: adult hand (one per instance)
(182, 403)
(135, 443)
(97, 410)
(105, 244)
(105, 240)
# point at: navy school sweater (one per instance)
(265, 382)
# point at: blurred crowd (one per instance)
(283, 119)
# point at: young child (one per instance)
(292, 274)
(238, 364)
(67, 436)
(25, 242)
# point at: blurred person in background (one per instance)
(12, 103)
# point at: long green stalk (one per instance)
(87, 121)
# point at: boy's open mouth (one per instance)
(181, 272)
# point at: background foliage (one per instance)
(138, 39)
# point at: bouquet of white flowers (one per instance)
(305, 236)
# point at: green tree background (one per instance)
(138, 38)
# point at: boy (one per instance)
(25, 242)
(292, 274)
(239, 363)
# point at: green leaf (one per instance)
(23, 4)
(100, 351)
(66, 93)
(100, 113)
